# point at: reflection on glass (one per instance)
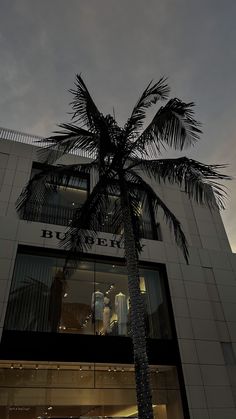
(30, 391)
(156, 309)
(93, 299)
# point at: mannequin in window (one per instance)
(121, 309)
(97, 306)
(107, 316)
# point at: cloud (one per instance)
(119, 47)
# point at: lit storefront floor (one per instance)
(61, 391)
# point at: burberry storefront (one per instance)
(66, 349)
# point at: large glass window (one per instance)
(43, 390)
(91, 299)
(61, 202)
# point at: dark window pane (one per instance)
(61, 202)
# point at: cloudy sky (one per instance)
(119, 46)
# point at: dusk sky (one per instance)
(118, 47)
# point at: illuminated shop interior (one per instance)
(92, 299)
(48, 390)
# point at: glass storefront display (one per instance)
(46, 390)
(92, 299)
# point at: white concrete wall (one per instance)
(203, 293)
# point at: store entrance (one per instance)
(83, 391)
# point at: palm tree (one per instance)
(124, 158)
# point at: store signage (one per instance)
(19, 409)
(89, 240)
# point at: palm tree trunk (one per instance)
(143, 388)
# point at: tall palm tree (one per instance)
(123, 158)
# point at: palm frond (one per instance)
(69, 139)
(84, 109)
(99, 138)
(199, 180)
(169, 217)
(86, 112)
(152, 93)
(34, 193)
(173, 125)
(32, 283)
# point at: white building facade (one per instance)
(65, 347)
